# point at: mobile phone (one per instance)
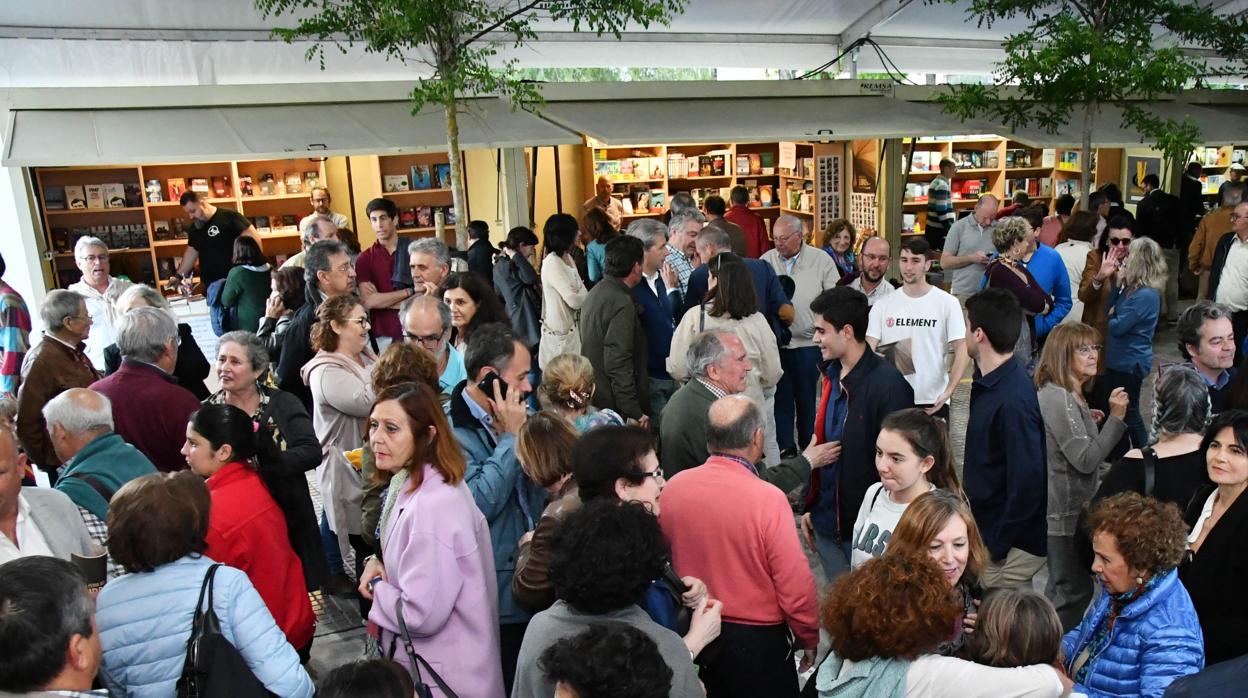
(486, 385)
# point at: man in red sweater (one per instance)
(736, 533)
(757, 241)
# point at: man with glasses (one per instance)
(427, 324)
(327, 271)
(876, 253)
(56, 364)
(812, 272)
(1207, 339)
(320, 200)
(1228, 277)
(101, 291)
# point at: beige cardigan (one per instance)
(563, 294)
(342, 397)
(754, 333)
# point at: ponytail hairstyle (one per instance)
(223, 424)
(927, 436)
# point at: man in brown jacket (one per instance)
(56, 364)
(1211, 229)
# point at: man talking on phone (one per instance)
(487, 410)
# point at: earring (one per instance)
(1139, 580)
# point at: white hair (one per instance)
(79, 416)
(85, 243)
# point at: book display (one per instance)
(992, 165)
(420, 185)
(135, 210)
(1216, 163)
(646, 177)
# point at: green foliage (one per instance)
(457, 40)
(1082, 54)
(614, 74)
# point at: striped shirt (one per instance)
(940, 204)
(14, 338)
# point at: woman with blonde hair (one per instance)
(940, 525)
(1133, 309)
(1076, 450)
(1008, 271)
(567, 389)
(544, 450)
(837, 239)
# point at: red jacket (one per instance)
(246, 530)
(150, 411)
(757, 241)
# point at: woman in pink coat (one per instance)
(438, 568)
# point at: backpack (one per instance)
(223, 319)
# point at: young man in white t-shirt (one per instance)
(916, 328)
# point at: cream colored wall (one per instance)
(571, 162)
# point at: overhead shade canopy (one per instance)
(1217, 125)
(120, 136)
(730, 120)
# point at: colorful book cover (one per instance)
(766, 195)
(294, 182)
(448, 213)
(393, 183)
(442, 173)
(221, 187)
(54, 198)
(200, 185)
(407, 217)
(656, 168)
(290, 221)
(693, 165)
(658, 199)
(421, 177)
(176, 187)
(756, 164)
(245, 187)
(311, 180)
(268, 184)
(424, 217)
(743, 164)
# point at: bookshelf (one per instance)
(645, 177)
(420, 186)
(998, 166)
(1216, 162)
(146, 231)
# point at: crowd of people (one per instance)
(608, 472)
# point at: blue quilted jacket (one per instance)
(145, 621)
(1155, 641)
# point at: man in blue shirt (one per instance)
(427, 324)
(1048, 269)
(1004, 468)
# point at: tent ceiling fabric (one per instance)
(116, 136)
(760, 119)
(1218, 125)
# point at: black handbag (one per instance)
(414, 660)
(214, 668)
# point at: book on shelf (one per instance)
(920, 160)
(393, 183)
(767, 163)
(676, 167)
(704, 166)
(160, 230)
(756, 164)
(1212, 157)
(294, 182)
(279, 260)
(607, 168)
(1048, 158)
(424, 217)
(311, 180)
(656, 168)
(166, 267)
(262, 224)
(743, 164)
(693, 165)
(752, 192)
(199, 185)
(422, 177)
(221, 186)
(245, 187)
(640, 196)
(992, 159)
(448, 212)
(134, 195)
(290, 222)
(60, 239)
(407, 217)
(1239, 156)
(180, 227)
(114, 195)
(268, 184)
(719, 161)
(442, 175)
(54, 198)
(95, 195)
(75, 196)
(626, 205)
(658, 199)
(175, 187)
(766, 195)
(153, 191)
(627, 169)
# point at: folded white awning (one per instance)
(121, 136)
(729, 120)
(1218, 126)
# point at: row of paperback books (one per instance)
(115, 236)
(632, 169)
(712, 164)
(1033, 186)
(960, 188)
(425, 216)
(175, 187)
(175, 229)
(288, 223)
(268, 184)
(1213, 157)
(92, 196)
(436, 176)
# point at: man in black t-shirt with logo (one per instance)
(212, 236)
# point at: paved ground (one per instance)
(340, 634)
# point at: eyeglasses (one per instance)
(426, 340)
(362, 321)
(93, 258)
(343, 268)
(657, 473)
(1120, 241)
(1089, 349)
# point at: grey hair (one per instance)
(682, 202)
(737, 434)
(78, 418)
(144, 333)
(316, 259)
(1145, 265)
(706, 350)
(444, 313)
(716, 237)
(648, 231)
(434, 248)
(145, 293)
(310, 233)
(1180, 403)
(790, 222)
(1193, 319)
(1008, 232)
(1233, 194)
(50, 594)
(257, 353)
(57, 306)
(680, 218)
(85, 242)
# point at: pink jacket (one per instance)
(439, 563)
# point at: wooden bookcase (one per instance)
(1216, 163)
(418, 205)
(754, 165)
(1002, 166)
(144, 240)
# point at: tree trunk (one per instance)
(1085, 157)
(458, 195)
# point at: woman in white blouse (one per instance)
(563, 292)
(731, 305)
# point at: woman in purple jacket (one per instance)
(439, 565)
(1011, 237)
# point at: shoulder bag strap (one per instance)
(702, 317)
(94, 484)
(416, 659)
(1150, 470)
